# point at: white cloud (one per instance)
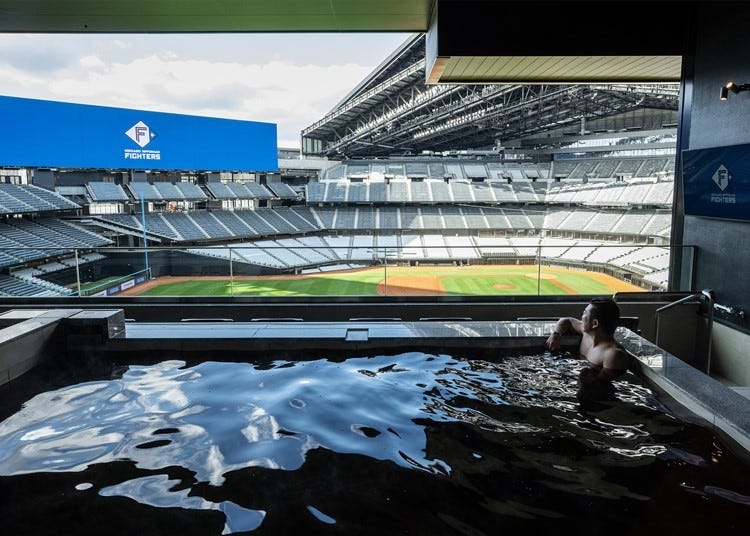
(91, 62)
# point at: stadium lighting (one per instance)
(734, 88)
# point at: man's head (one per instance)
(602, 313)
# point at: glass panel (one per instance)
(350, 265)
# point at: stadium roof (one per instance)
(394, 111)
(447, 86)
(511, 41)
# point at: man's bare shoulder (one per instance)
(615, 357)
(608, 355)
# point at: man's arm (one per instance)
(564, 325)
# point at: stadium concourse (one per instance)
(610, 215)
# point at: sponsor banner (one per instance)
(717, 182)
(122, 286)
(99, 294)
(42, 133)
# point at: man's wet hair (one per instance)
(606, 311)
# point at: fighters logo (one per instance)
(141, 133)
(722, 177)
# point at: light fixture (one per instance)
(734, 88)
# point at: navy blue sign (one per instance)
(717, 182)
(41, 133)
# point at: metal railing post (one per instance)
(231, 274)
(78, 272)
(539, 270)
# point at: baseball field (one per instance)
(478, 280)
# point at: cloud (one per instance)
(91, 62)
(29, 54)
(292, 96)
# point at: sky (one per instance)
(291, 80)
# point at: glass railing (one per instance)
(348, 266)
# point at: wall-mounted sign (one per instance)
(45, 134)
(717, 182)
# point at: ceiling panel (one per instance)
(115, 16)
(560, 69)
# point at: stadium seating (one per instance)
(367, 218)
(14, 286)
(27, 198)
(282, 190)
(258, 191)
(255, 220)
(555, 209)
(190, 191)
(101, 192)
(235, 225)
(241, 190)
(435, 247)
(220, 190)
(145, 191)
(168, 191)
(432, 218)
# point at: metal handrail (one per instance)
(708, 296)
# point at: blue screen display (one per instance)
(42, 133)
(717, 182)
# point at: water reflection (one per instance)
(508, 438)
(159, 491)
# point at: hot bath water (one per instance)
(408, 443)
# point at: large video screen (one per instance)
(40, 133)
(717, 182)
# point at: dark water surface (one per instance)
(411, 443)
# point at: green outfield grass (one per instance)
(449, 280)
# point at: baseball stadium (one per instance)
(377, 332)
(561, 194)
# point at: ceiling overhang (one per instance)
(554, 69)
(514, 42)
(469, 41)
(177, 16)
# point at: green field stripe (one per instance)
(459, 281)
